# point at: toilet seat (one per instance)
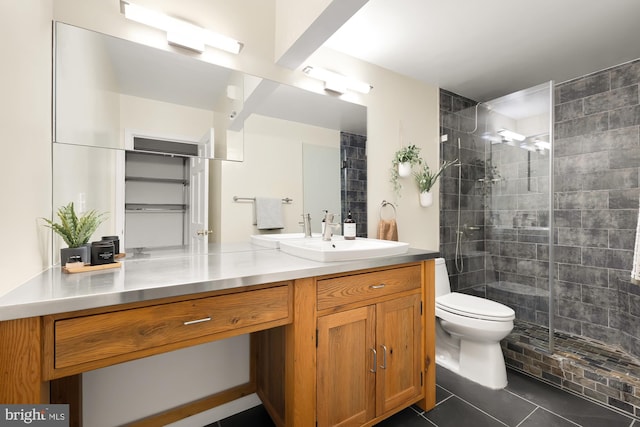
(474, 307)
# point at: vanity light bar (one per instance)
(180, 33)
(336, 82)
(511, 135)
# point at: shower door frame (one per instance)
(552, 208)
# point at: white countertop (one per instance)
(167, 273)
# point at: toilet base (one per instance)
(478, 362)
(483, 363)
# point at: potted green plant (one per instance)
(402, 164)
(75, 231)
(426, 179)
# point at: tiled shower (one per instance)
(504, 224)
(497, 246)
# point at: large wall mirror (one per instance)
(114, 97)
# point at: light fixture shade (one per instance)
(180, 33)
(145, 16)
(188, 36)
(511, 135)
(543, 145)
(336, 82)
(222, 42)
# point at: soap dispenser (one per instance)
(349, 231)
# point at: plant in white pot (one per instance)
(75, 231)
(426, 179)
(402, 164)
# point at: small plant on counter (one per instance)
(75, 231)
(403, 162)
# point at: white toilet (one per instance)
(468, 333)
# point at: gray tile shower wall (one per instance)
(596, 172)
(353, 181)
(457, 120)
(504, 226)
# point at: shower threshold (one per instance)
(586, 367)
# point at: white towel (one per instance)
(635, 273)
(269, 213)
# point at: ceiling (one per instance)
(483, 49)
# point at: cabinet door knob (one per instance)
(375, 360)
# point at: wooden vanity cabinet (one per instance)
(346, 349)
(79, 341)
(371, 359)
(368, 361)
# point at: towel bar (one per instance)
(385, 203)
(253, 199)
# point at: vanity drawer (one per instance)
(94, 337)
(343, 290)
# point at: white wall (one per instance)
(396, 101)
(87, 102)
(292, 18)
(272, 167)
(25, 132)
(123, 393)
(26, 168)
(163, 118)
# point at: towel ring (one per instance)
(385, 203)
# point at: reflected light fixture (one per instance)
(335, 82)
(511, 135)
(542, 145)
(180, 33)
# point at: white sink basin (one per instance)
(339, 249)
(273, 240)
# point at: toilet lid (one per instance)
(471, 306)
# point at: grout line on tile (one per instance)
(486, 413)
(564, 418)
(549, 410)
(446, 398)
(428, 420)
(572, 393)
(522, 397)
(528, 416)
(420, 412)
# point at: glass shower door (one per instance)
(497, 211)
(518, 180)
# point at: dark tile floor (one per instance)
(526, 402)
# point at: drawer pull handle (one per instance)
(193, 322)
(380, 286)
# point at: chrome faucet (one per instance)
(306, 224)
(329, 226)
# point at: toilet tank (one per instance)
(443, 286)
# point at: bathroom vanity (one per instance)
(365, 328)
